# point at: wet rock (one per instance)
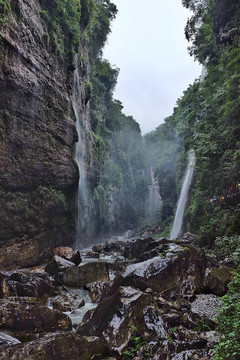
(217, 280)
(114, 315)
(173, 318)
(25, 317)
(26, 284)
(189, 237)
(58, 264)
(67, 302)
(92, 254)
(7, 340)
(186, 335)
(206, 306)
(63, 251)
(154, 322)
(97, 289)
(19, 253)
(167, 274)
(212, 262)
(84, 274)
(136, 247)
(60, 346)
(76, 258)
(229, 262)
(148, 255)
(191, 354)
(69, 254)
(97, 248)
(115, 245)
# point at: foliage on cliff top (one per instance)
(63, 20)
(96, 18)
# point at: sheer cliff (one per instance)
(53, 82)
(38, 175)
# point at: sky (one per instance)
(147, 43)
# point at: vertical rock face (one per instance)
(38, 174)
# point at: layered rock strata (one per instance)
(38, 174)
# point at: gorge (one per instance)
(76, 172)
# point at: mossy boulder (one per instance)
(217, 280)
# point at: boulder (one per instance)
(189, 237)
(60, 346)
(92, 254)
(212, 262)
(82, 275)
(25, 317)
(68, 253)
(58, 264)
(18, 283)
(97, 248)
(192, 354)
(137, 247)
(154, 322)
(216, 281)
(76, 258)
(97, 289)
(7, 340)
(117, 317)
(206, 306)
(19, 253)
(115, 245)
(63, 251)
(67, 302)
(169, 273)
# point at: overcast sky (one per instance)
(148, 44)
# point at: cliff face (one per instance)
(38, 174)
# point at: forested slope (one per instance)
(206, 119)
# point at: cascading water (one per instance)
(80, 152)
(154, 200)
(178, 220)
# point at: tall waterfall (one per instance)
(178, 220)
(80, 153)
(154, 201)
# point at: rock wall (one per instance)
(38, 174)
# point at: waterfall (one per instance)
(178, 220)
(80, 153)
(154, 201)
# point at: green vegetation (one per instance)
(205, 119)
(229, 324)
(168, 159)
(228, 246)
(121, 187)
(20, 210)
(5, 8)
(62, 18)
(136, 342)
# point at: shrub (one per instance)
(228, 347)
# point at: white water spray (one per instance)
(178, 220)
(80, 153)
(154, 201)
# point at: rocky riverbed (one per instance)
(140, 298)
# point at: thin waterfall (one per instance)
(154, 201)
(80, 153)
(178, 220)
